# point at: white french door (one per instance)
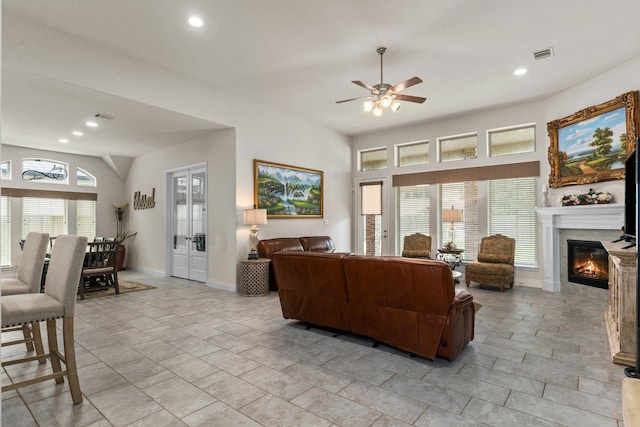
(189, 223)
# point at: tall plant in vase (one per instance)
(121, 236)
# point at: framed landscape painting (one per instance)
(593, 144)
(288, 191)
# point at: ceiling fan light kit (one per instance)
(384, 95)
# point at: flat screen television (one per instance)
(630, 198)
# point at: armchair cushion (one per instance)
(496, 258)
(489, 268)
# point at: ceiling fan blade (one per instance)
(405, 84)
(366, 86)
(410, 98)
(352, 99)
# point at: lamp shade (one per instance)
(120, 205)
(452, 215)
(254, 216)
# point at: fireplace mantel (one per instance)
(589, 217)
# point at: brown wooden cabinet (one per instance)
(620, 316)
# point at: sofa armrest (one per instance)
(460, 326)
(462, 298)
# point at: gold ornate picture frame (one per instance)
(288, 191)
(593, 144)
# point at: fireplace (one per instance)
(588, 263)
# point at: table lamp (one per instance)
(254, 217)
(452, 215)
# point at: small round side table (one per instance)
(254, 281)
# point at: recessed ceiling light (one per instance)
(77, 133)
(520, 71)
(63, 140)
(91, 124)
(196, 21)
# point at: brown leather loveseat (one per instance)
(267, 247)
(407, 303)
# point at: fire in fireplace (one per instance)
(588, 263)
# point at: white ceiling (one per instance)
(300, 56)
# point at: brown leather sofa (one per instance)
(407, 303)
(266, 249)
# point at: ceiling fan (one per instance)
(384, 95)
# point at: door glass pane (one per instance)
(181, 225)
(198, 212)
(372, 233)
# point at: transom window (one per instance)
(415, 153)
(48, 171)
(512, 140)
(459, 147)
(373, 159)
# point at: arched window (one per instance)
(5, 170)
(42, 170)
(85, 179)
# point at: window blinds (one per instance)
(412, 215)
(511, 204)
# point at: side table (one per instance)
(453, 258)
(254, 280)
(450, 256)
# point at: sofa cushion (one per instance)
(312, 288)
(403, 302)
(318, 244)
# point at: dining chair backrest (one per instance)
(32, 260)
(64, 271)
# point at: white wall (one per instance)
(260, 133)
(596, 90)
(149, 171)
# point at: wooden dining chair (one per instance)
(57, 302)
(100, 269)
(28, 280)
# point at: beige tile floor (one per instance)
(186, 354)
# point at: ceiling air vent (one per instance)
(103, 116)
(543, 54)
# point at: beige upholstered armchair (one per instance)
(495, 262)
(417, 245)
